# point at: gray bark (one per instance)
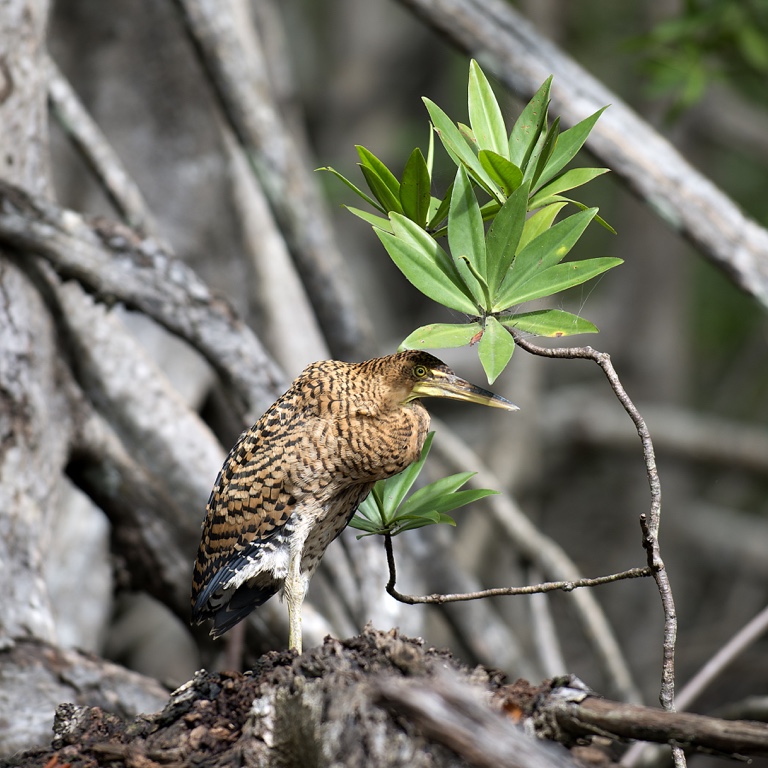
(37, 423)
(32, 456)
(37, 677)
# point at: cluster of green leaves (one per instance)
(388, 511)
(708, 40)
(500, 257)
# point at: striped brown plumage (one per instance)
(293, 481)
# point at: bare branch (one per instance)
(434, 561)
(276, 283)
(112, 263)
(509, 46)
(97, 152)
(545, 553)
(547, 644)
(232, 55)
(531, 589)
(38, 676)
(149, 529)
(446, 711)
(566, 710)
(747, 635)
(32, 455)
(649, 524)
(604, 361)
(159, 430)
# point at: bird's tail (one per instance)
(240, 605)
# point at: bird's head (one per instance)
(418, 374)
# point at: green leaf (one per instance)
(490, 209)
(484, 113)
(422, 521)
(540, 222)
(558, 278)
(441, 336)
(469, 137)
(549, 248)
(504, 236)
(598, 219)
(370, 508)
(425, 272)
(355, 189)
(431, 152)
(542, 154)
(456, 146)
(415, 196)
(486, 293)
(425, 499)
(410, 232)
(441, 209)
(576, 177)
(361, 524)
(369, 160)
(389, 200)
(385, 511)
(375, 221)
(506, 175)
(568, 145)
(454, 500)
(370, 515)
(439, 496)
(495, 348)
(466, 234)
(548, 322)
(527, 128)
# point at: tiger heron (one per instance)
(293, 481)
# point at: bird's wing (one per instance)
(250, 502)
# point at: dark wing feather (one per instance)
(244, 600)
(206, 606)
(248, 506)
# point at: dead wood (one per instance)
(378, 699)
(334, 705)
(565, 710)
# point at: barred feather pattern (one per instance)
(297, 476)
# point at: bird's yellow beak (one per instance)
(441, 384)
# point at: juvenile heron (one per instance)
(294, 480)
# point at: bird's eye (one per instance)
(420, 371)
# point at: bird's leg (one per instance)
(294, 588)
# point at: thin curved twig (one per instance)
(650, 523)
(547, 554)
(530, 589)
(568, 709)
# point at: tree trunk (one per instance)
(40, 411)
